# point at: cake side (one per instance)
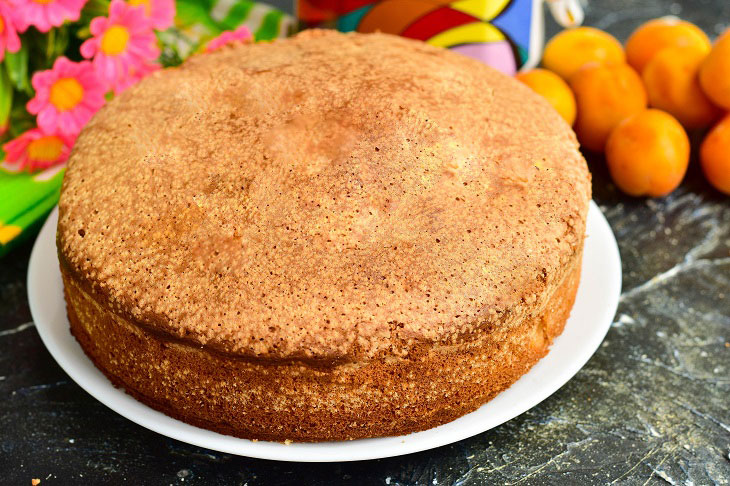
(304, 401)
(310, 199)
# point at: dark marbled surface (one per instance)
(651, 407)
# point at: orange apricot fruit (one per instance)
(715, 155)
(672, 84)
(648, 153)
(715, 72)
(655, 35)
(605, 94)
(571, 49)
(551, 87)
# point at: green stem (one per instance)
(51, 42)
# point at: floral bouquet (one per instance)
(62, 60)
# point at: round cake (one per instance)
(326, 237)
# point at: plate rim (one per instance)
(89, 378)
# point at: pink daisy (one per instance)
(66, 96)
(120, 42)
(45, 14)
(35, 149)
(134, 76)
(161, 13)
(241, 34)
(9, 39)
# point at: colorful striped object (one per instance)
(25, 201)
(496, 32)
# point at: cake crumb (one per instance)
(35, 481)
(287, 442)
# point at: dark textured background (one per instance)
(652, 406)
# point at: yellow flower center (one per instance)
(44, 2)
(66, 93)
(146, 3)
(114, 41)
(46, 149)
(2, 25)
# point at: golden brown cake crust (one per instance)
(261, 399)
(327, 197)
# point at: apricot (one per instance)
(715, 72)
(571, 49)
(648, 153)
(551, 87)
(715, 155)
(672, 84)
(655, 35)
(605, 94)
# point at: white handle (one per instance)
(567, 13)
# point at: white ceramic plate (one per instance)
(590, 319)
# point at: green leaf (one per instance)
(270, 25)
(191, 12)
(16, 67)
(237, 14)
(6, 99)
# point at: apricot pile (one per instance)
(636, 103)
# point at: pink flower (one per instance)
(121, 42)
(8, 36)
(241, 34)
(134, 76)
(36, 149)
(45, 14)
(161, 13)
(66, 96)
